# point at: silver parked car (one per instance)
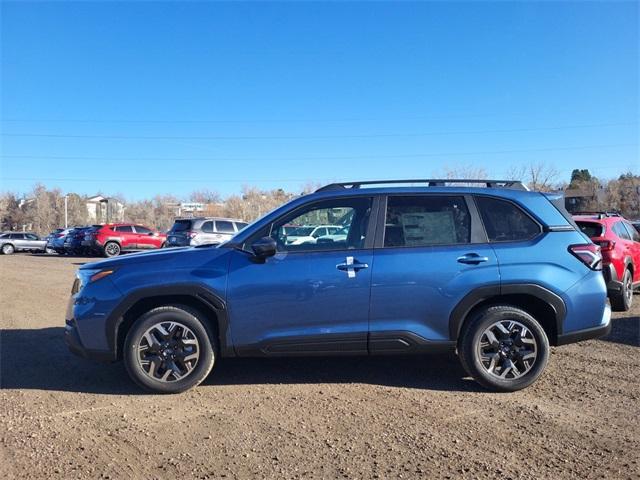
(21, 242)
(202, 231)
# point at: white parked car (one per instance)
(310, 234)
(339, 236)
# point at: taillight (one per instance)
(587, 253)
(192, 234)
(605, 245)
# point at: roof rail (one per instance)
(430, 182)
(600, 214)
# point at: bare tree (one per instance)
(538, 176)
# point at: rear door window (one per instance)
(505, 221)
(223, 226)
(426, 220)
(124, 229)
(591, 229)
(17, 236)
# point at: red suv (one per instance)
(114, 238)
(620, 245)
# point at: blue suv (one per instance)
(484, 268)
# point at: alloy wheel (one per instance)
(628, 284)
(168, 351)
(507, 349)
(112, 249)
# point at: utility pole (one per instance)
(66, 214)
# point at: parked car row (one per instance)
(112, 239)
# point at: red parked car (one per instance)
(113, 238)
(620, 245)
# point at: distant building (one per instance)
(104, 210)
(581, 199)
(194, 209)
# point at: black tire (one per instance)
(621, 301)
(112, 249)
(187, 317)
(164, 245)
(469, 349)
(8, 249)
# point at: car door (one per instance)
(128, 238)
(32, 241)
(18, 241)
(207, 234)
(145, 238)
(631, 241)
(223, 230)
(307, 299)
(430, 254)
(635, 249)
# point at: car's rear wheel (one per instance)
(112, 249)
(8, 249)
(504, 348)
(169, 349)
(621, 301)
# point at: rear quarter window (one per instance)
(505, 221)
(591, 229)
(224, 226)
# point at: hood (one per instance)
(183, 255)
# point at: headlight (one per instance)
(89, 275)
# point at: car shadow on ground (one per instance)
(39, 359)
(625, 330)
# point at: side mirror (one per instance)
(264, 247)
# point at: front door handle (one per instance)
(472, 259)
(351, 266)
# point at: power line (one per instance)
(347, 157)
(247, 121)
(310, 137)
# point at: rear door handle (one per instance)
(472, 259)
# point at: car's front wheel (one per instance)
(504, 348)
(169, 349)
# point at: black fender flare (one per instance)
(481, 294)
(199, 292)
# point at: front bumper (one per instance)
(588, 333)
(72, 339)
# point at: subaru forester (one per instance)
(486, 269)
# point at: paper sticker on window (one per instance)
(428, 228)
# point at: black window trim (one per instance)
(368, 241)
(541, 226)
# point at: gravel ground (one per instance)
(389, 417)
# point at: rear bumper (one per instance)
(614, 284)
(588, 333)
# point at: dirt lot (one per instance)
(64, 417)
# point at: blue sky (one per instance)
(148, 97)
